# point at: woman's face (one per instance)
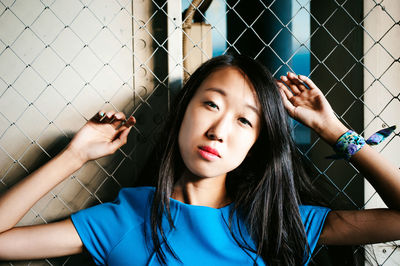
(220, 125)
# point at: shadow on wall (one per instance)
(99, 181)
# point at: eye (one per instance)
(212, 105)
(245, 121)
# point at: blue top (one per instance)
(113, 233)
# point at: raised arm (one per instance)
(100, 136)
(309, 106)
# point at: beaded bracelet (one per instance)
(350, 142)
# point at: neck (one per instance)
(210, 192)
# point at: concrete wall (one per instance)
(381, 91)
(61, 62)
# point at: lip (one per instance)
(208, 153)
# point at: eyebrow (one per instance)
(223, 93)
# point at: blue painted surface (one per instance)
(300, 62)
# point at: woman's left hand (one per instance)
(309, 106)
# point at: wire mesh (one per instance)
(61, 61)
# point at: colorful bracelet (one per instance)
(350, 142)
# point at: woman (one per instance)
(229, 187)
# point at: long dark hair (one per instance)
(266, 189)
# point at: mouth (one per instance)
(208, 153)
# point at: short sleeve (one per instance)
(313, 218)
(101, 227)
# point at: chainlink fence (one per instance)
(62, 61)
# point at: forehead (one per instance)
(233, 82)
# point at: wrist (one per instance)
(331, 130)
(73, 156)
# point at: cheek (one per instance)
(183, 134)
(240, 150)
(193, 125)
(243, 149)
(186, 131)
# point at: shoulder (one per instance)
(101, 227)
(135, 198)
(313, 218)
(130, 203)
(311, 211)
(135, 192)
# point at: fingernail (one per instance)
(101, 113)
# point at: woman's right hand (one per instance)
(102, 135)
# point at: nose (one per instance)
(219, 130)
(211, 135)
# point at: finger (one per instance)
(108, 117)
(285, 90)
(308, 82)
(286, 103)
(131, 121)
(126, 124)
(121, 140)
(98, 115)
(290, 84)
(119, 116)
(296, 80)
(117, 119)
